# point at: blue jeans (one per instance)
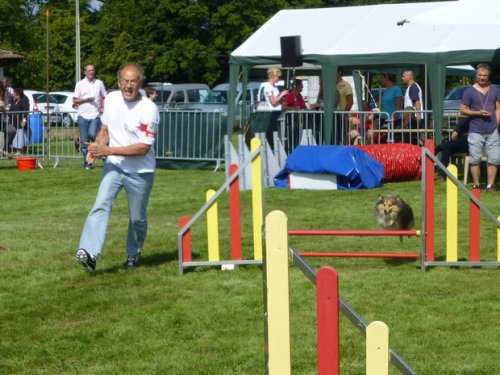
(88, 131)
(137, 188)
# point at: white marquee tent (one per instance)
(390, 35)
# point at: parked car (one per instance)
(68, 113)
(178, 95)
(218, 98)
(38, 101)
(453, 100)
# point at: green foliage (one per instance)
(174, 40)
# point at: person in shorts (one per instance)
(481, 102)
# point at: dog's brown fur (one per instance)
(393, 213)
(76, 140)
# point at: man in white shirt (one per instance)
(89, 97)
(126, 139)
(413, 94)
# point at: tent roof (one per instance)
(372, 32)
(8, 56)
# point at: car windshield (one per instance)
(61, 99)
(162, 95)
(42, 98)
(456, 94)
(216, 96)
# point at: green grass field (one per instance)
(56, 319)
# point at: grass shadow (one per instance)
(145, 261)
(399, 261)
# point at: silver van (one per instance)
(180, 95)
(218, 99)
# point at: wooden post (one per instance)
(377, 349)
(451, 217)
(327, 311)
(235, 214)
(212, 228)
(277, 295)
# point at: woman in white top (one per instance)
(271, 92)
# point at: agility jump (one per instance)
(475, 208)
(210, 208)
(328, 305)
(427, 233)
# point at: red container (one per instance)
(25, 164)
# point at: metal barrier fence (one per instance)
(191, 135)
(362, 127)
(199, 135)
(22, 134)
(182, 135)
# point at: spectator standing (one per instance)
(17, 129)
(126, 138)
(413, 96)
(392, 98)
(481, 102)
(294, 99)
(9, 92)
(271, 93)
(344, 89)
(89, 97)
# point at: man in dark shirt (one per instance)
(481, 102)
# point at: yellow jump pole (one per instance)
(257, 211)
(277, 295)
(498, 242)
(212, 228)
(377, 348)
(451, 217)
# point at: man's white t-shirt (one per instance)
(130, 123)
(90, 89)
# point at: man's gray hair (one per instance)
(137, 66)
(483, 67)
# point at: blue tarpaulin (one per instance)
(354, 168)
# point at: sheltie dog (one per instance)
(393, 213)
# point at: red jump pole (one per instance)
(235, 214)
(429, 203)
(474, 227)
(354, 232)
(361, 255)
(327, 310)
(186, 240)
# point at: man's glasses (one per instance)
(127, 82)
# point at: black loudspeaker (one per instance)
(291, 51)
